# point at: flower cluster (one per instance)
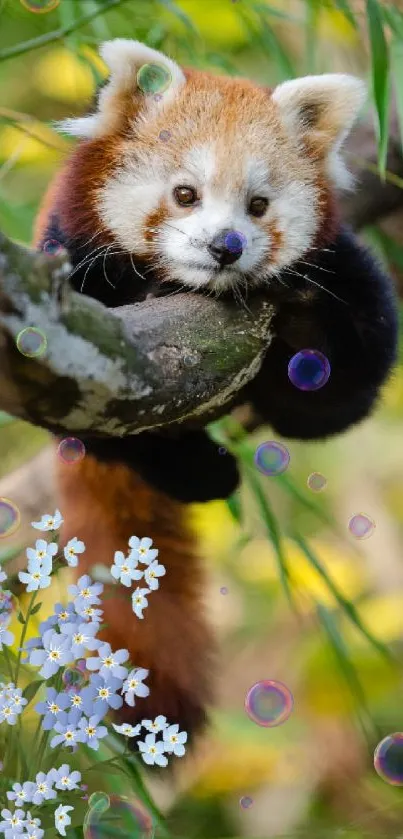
(152, 752)
(82, 677)
(125, 569)
(19, 823)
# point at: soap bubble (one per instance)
(73, 678)
(234, 241)
(269, 703)
(165, 135)
(316, 482)
(153, 78)
(71, 450)
(223, 590)
(222, 450)
(309, 370)
(52, 247)
(388, 759)
(272, 458)
(31, 342)
(246, 801)
(361, 526)
(112, 815)
(40, 6)
(10, 518)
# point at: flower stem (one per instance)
(23, 634)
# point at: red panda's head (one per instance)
(214, 180)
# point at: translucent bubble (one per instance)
(246, 802)
(272, 458)
(269, 703)
(316, 482)
(309, 370)
(235, 241)
(223, 590)
(52, 247)
(40, 6)
(165, 136)
(388, 759)
(71, 450)
(113, 815)
(73, 678)
(221, 450)
(157, 97)
(81, 664)
(153, 78)
(10, 518)
(361, 526)
(31, 342)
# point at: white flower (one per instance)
(43, 550)
(141, 548)
(48, 522)
(157, 725)
(3, 576)
(151, 573)
(127, 730)
(153, 752)
(133, 685)
(62, 819)
(124, 568)
(174, 740)
(139, 601)
(73, 547)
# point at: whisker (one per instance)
(318, 285)
(320, 267)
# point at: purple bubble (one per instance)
(234, 241)
(272, 458)
(71, 450)
(52, 247)
(388, 759)
(165, 136)
(361, 526)
(221, 450)
(316, 482)
(269, 703)
(309, 370)
(31, 342)
(223, 590)
(10, 517)
(245, 802)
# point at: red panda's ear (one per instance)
(125, 58)
(321, 111)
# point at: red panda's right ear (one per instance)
(125, 58)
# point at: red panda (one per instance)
(148, 201)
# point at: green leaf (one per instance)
(9, 554)
(380, 78)
(20, 618)
(182, 16)
(5, 419)
(36, 608)
(104, 766)
(396, 55)
(235, 507)
(345, 604)
(31, 689)
(344, 6)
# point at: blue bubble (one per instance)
(309, 370)
(272, 458)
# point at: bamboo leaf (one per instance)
(344, 6)
(396, 55)
(235, 507)
(380, 77)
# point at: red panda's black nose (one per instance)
(227, 246)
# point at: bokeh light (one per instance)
(316, 482)
(309, 370)
(388, 759)
(114, 815)
(10, 517)
(272, 458)
(269, 703)
(223, 590)
(31, 342)
(153, 78)
(71, 450)
(245, 802)
(361, 526)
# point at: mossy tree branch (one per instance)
(115, 372)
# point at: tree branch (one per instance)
(114, 372)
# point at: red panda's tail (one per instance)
(105, 504)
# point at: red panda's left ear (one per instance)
(125, 58)
(320, 111)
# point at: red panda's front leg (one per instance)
(104, 505)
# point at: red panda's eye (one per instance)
(185, 196)
(258, 207)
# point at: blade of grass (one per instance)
(340, 651)
(344, 7)
(345, 604)
(380, 78)
(396, 55)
